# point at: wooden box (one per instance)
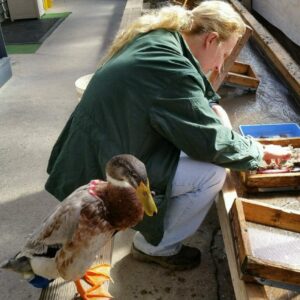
(258, 263)
(242, 75)
(278, 181)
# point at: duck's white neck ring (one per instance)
(119, 183)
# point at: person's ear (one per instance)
(211, 38)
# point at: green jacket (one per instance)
(150, 100)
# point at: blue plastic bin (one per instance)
(282, 130)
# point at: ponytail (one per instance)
(209, 16)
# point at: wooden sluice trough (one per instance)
(244, 267)
(267, 243)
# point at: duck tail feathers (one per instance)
(5, 264)
(17, 264)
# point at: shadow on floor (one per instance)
(210, 281)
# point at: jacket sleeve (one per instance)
(190, 124)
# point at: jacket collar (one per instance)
(210, 93)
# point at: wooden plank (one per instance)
(241, 74)
(239, 231)
(247, 4)
(275, 180)
(242, 290)
(279, 57)
(246, 210)
(216, 78)
(242, 80)
(272, 180)
(257, 292)
(251, 73)
(270, 215)
(257, 267)
(245, 290)
(280, 294)
(239, 67)
(295, 142)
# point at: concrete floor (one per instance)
(210, 281)
(273, 102)
(34, 106)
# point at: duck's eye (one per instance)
(133, 175)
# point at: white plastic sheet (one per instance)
(285, 15)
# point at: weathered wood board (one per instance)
(269, 265)
(245, 290)
(242, 75)
(259, 182)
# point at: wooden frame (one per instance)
(247, 4)
(251, 267)
(216, 78)
(245, 290)
(242, 75)
(259, 182)
(294, 141)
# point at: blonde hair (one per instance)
(209, 16)
(217, 16)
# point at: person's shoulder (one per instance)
(161, 37)
(162, 33)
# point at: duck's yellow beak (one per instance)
(144, 195)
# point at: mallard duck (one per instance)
(68, 240)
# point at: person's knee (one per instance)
(192, 176)
(220, 175)
(212, 179)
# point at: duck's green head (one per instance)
(126, 170)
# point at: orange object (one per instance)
(95, 277)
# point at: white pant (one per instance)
(194, 188)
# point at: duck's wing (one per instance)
(91, 234)
(58, 228)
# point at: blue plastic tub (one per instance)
(280, 130)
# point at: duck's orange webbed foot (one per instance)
(95, 277)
